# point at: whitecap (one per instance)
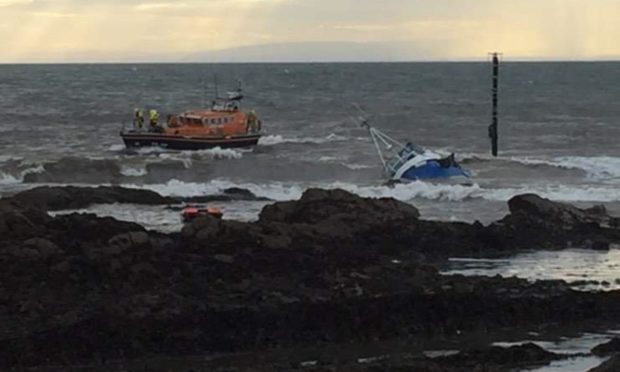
(272, 140)
(404, 192)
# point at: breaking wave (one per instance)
(116, 148)
(133, 172)
(403, 192)
(596, 167)
(8, 179)
(278, 139)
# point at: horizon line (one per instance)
(464, 60)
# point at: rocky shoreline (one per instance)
(329, 269)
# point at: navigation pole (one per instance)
(493, 127)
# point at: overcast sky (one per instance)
(166, 30)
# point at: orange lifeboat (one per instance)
(224, 125)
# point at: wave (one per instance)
(215, 153)
(275, 191)
(116, 148)
(10, 158)
(273, 140)
(404, 192)
(133, 172)
(8, 179)
(358, 166)
(596, 167)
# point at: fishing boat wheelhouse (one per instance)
(410, 162)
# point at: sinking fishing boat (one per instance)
(224, 125)
(410, 162)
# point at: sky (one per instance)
(313, 30)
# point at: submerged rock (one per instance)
(71, 197)
(611, 347)
(611, 365)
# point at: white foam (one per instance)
(7, 179)
(341, 161)
(404, 192)
(597, 167)
(116, 148)
(215, 153)
(357, 166)
(8, 158)
(329, 159)
(278, 139)
(10, 179)
(152, 150)
(275, 191)
(133, 172)
(565, 193)
(36, 169)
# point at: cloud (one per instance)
(159, 6)
(59, 30)
(4, 3)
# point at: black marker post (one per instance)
(493, 127)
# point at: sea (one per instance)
(559, 129)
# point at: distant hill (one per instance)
(324, 52)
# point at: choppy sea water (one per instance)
(558, 129)
(559, 135)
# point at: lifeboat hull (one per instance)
(134, 139)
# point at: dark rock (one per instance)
(543, 209)
(121, 292)
(611, 365)
(229, 194)
(611, 347)
(224, 258)
(317, 205)
(70, 197)
(519, 355)
(125, 241)
(44, 247)
(537, 222)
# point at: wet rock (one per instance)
(541, 209)
(317, 205)
(229, 194)
(611, 365)
(122, 242)
(542, 223)
(62, 267)
(519, 355)
(71, 197)
(224, 258)
(44, 247)
(611, 347)
(229, 286)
